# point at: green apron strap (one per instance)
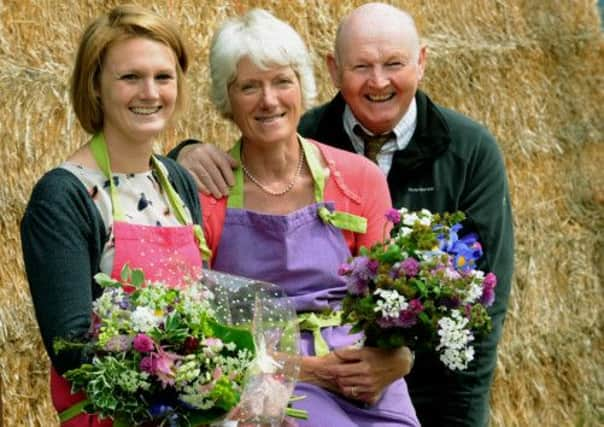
(173, 197)
(179, 208)
(235, 199)
(314, 322)
(98, 147)
(73, 411)
(341, 220)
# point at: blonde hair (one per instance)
(121, 23)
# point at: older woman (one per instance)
(298, 210)
(112, 202)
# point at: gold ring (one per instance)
(353, 391)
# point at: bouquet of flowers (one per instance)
(178, 356)
(421, 288)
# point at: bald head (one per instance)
(375, 20)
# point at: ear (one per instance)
(334, 72)
(421, 62)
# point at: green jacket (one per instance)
(63, 236)
(452, 163)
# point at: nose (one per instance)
(150, 89)
(379, 77)
(269, 96)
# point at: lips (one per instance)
(268, 119)
(380, 98)
(145, 111)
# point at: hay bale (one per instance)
(531, 71)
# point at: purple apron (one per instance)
(301, 253)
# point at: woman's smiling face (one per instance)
(138, 88)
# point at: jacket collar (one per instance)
(431, 137)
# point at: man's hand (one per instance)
(365, 372)
(212, 168)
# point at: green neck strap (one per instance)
(341, 220)
(98, 146)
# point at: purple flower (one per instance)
(142, 343)
(416, 306)
(408, 317)
(452, 302)
(373, 266)
(410, 267)
(148, 364)
(359, 272)
(393, 215)
(386, 322)
(405, 319)
(488, 289)
(344, 269)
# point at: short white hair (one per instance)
(266, 41)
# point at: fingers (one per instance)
(349, 354)
(211, 168)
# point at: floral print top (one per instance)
(142, 199)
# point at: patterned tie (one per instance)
(373, 143)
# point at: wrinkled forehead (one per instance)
(382, 41)
(394, 29)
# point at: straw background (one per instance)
(531, 70)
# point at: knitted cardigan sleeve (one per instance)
(62, 236)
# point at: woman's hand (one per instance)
(364, 373)
(317, 370)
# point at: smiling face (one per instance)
(138, 88)
(378, 69)
(265, 104)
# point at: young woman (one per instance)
(112, 202)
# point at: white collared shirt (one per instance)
(403, 130)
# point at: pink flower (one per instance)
(143, 343)
(393, 215)
(217, 373)
(410, 267)
(212, 346)
(165, 364)
(488, 289)
(148, 364)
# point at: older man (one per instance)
(434, 158)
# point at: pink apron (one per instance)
(168, 254)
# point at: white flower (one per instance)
(473, 293)
(451, 273)
(410, 219)
(143, 319)
(425, 217)
(390, 304)
(405, 231)
(477, 275)
(455, 340)
(105, 305)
